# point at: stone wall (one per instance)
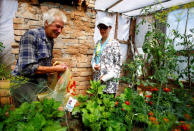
(74, 46)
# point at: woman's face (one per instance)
(104, 30)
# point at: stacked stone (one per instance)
(74, 46)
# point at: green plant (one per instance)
(186, 41)
(4, 72)
(34, 116)
(1, 46)
(97, 110)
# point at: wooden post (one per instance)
(116, 26)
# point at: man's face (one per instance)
(54, 29)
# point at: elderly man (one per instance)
(35, 57)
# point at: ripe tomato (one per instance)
(116, 103)
(151, 113)
(166, 90)
(127, 102)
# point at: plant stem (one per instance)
(187, 49)
(158, 100)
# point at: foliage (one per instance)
(98, 111)
(186, 40)
(170, 108)
(131, 110)
(1, 46)
(34, 116)
(4, 72)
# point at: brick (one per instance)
(83, 65)
(81, 78)
(33, 26)
(18, 20)
(90, 52)
(85, 73)
(83, 51)
(34, 2)
(15, 51)
(82, 38)
(82, 58)
(75, 74)
(33, 22)
(17, 38)
(72, 51)
(44, 8)
(81, 88)
(20, 26)
(59, 43)
(57, 53)
(84, 83)
(79, 13)
(14, 44)
(70, 41)
(19, 32)
(83, 92)
(29, 15)
(66, 36)
(81, 69)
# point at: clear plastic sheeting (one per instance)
(100, 15)
(124, 48)
(133, 8)
(7, 13)
(128, 5)
(142, 30)
(178, 18)
(104, 4)
(123, 28)
(159, 6)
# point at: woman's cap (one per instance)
(106, 21)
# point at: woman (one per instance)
(106, 60)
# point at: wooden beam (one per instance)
(123, 41)
(35, 2)
(132, 30)
(116, 25)
(113, 5)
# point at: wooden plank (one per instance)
(132, 30)
(123, 42)
(116, 25)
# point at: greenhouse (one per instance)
(96, 65)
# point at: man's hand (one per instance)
(97, 67)
(60, 68)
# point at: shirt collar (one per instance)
(43, 35)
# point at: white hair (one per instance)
(51, 15)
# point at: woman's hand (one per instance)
(97, 67)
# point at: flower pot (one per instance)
(5, 96)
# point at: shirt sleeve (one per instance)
(28, 62)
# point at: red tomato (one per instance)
(116, 103)
(151, 113)
(166, 90)
(127, 102)
(150, 102)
